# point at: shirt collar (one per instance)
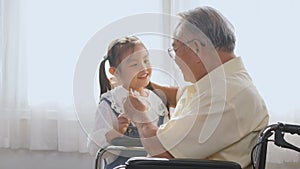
(216, 78)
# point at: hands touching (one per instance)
(136, 108)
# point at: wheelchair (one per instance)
(258, 153)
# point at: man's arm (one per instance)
(170, 93)
(150, 141)
(136, 111)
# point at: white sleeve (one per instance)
(180, 92)
(191, 127)
(104, 121)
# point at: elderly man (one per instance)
(219, 116)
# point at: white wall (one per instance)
(26, 159)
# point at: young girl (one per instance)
(130, 65)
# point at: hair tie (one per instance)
(105, 58)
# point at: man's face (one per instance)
(184, 59)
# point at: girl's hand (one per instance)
(123, 123)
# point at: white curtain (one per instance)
(13, 93)
(24, 125)
(41, 42)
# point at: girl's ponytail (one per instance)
(103, 80)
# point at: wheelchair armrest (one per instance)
(164, 163)
(127, 141)
(136, 150)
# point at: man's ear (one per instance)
(112, 70)
(197, 47)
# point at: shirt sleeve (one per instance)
(180, 92)
(197, 130)
(104, 121)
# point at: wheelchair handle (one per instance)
(279, 135)
(289, 128)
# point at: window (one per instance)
(42, 42)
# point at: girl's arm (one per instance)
(102, 125)
(111, 134)
(119, 129)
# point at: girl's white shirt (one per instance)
(105, 118)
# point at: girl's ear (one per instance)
(112, 70)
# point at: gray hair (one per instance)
(213, 24)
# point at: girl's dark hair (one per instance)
(103, 80)
(114, 57)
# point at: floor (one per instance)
(283, 166)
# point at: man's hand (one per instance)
(137, 112)
(135, 109)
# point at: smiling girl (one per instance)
(130, 66)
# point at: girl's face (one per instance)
(135, 70)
